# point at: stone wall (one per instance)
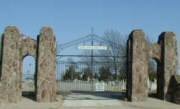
(139, 53)
(46, 79)
(28, 47)
(14, 48)
(137, 67)
(169, 61)
(10, 66)
(176, 94)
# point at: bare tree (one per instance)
(116, 53)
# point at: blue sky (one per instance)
(72, 19)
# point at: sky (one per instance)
(72, 19)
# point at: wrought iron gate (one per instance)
(93, 72)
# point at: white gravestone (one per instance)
(99, 86)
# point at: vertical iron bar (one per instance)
(92, 44)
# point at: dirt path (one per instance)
(91, 104)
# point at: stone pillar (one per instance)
(46, 67)
(167, 41)
(10, 67)
(137, 89)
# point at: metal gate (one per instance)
(92, 71)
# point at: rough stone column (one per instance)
(168, 45)
(137, 89)
(46, 67)
(10, 70)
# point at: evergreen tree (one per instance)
(105, 74)
(71, 74)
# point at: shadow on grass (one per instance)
(29, 94)
(152, 95)
(100, 95)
